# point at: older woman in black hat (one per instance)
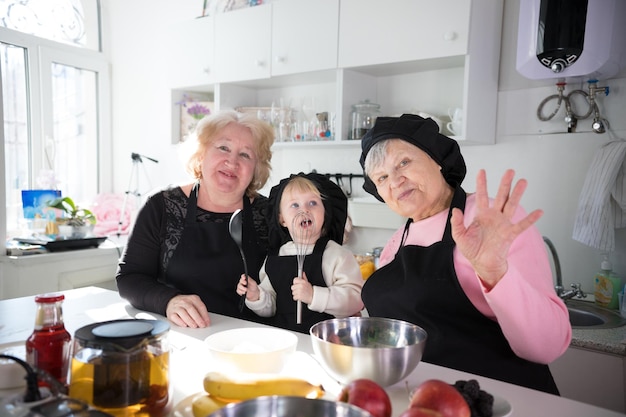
(332, 281)
(472, 271)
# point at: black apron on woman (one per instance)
(420, 286)
(207, 261)
(281, 271)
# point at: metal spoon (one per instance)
(235, 228)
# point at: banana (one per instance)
(220, 386)
(204, 404)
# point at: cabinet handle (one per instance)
(259, 63)
(449, 36)
(281, 59)
(206, 70)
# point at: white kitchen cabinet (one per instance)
(304, 36)
(402, 30)
(284, 37)
(424, 55)
(406, 55)
(36, 274)
(243, 43)
(191, 53)
(369, 212)
(592, 377)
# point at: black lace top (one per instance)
(154, 238)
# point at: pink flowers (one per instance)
(108, 211)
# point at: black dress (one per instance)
(280, 271)
(207, 261)
(178, 248)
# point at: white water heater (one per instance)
(571, 38)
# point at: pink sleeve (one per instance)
(532, 317)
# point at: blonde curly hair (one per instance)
(263, 134)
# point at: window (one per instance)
(55, 96)
(75, 121)
(73, 22)
(16, 129)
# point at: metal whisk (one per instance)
(302, 228)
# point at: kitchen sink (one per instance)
(586, 315)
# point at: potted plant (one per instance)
(79, 220)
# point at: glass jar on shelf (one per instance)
(364, 115)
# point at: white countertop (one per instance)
(113, 246)
(190, 361)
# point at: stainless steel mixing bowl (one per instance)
(279, 406)
(383, 350)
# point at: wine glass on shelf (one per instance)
(310, 118)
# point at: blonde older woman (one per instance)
(180, 260)
(473, 272)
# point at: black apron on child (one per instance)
(207, 262)
(281, 271)
(420, 286)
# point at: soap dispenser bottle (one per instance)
(606, 285)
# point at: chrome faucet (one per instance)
(576, 291)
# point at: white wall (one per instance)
(555, 164)
(135, 38)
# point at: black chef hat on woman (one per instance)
(335, 209)
(423, 133)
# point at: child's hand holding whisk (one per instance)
(302, 290)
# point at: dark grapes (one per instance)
(472, 388)
(480, 402)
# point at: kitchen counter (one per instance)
(612, 341)
(601, 340)
(62, 270)
(190, 360)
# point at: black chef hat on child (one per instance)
(423, 133)
(335, 209)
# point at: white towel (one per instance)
(602, 203)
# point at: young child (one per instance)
(331, 283)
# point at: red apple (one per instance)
(368, 395)
(438, 395)
(420, 412)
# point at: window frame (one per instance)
(40, 54)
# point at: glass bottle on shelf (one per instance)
(48, 347)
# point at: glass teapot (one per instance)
(122, 367)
